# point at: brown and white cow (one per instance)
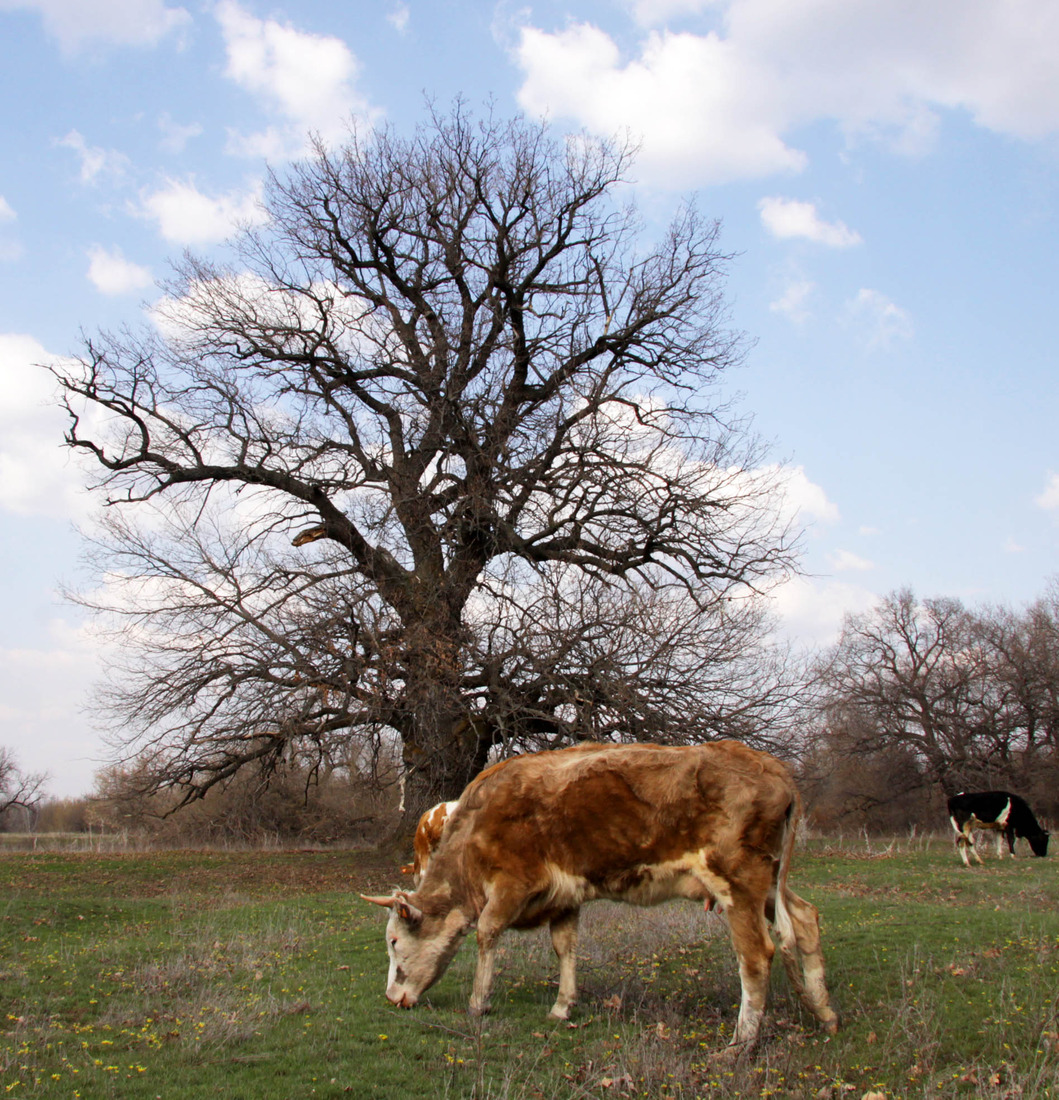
(428, 837)
(535, 837)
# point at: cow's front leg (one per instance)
(497, 915)
(564, 940)
(482, 991)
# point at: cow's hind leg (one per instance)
(564, 940)
(798, 929)
(965, 845)
(754, 950)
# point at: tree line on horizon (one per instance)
(916, 701)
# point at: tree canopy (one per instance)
(439, 455)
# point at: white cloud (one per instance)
(811, 611)
(78, 23)
(38, 476)
(789, 218)
(186, 216)
(845, 561)
(1048, 499)
(655, 13)
(805, 499)
(793, 302)
(95, 162)
(695, 102)
(726, 103)
(9, 249)
(399, 17)
(307, 80)
(174, 136)
(884, 321)
(111, 273)
(41, 717)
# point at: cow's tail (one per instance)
(782, 918)
(797, 926)
(782, 921)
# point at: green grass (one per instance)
(260, 975)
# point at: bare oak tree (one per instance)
(486, 413)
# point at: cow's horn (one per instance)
(386, 902)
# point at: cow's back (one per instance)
(596, 812)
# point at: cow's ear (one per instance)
(407, 911)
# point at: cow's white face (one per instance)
(420, 949)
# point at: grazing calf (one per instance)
(535, 837)
(428, 836)
(1006, 814)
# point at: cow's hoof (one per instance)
(733, 1053)
(476, 1011)
(558, 1013)
(830, 1025)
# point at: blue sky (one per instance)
(886, 172)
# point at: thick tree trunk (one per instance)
(441, 760)
(444, 744)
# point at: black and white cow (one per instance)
(1006, 814)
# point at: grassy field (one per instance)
(260, 975)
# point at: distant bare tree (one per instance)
(910, 674)
(963, 698)
(1022, 652)
(18, 789)
(451, 369)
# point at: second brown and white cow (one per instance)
(535, 837)
(427, 838)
